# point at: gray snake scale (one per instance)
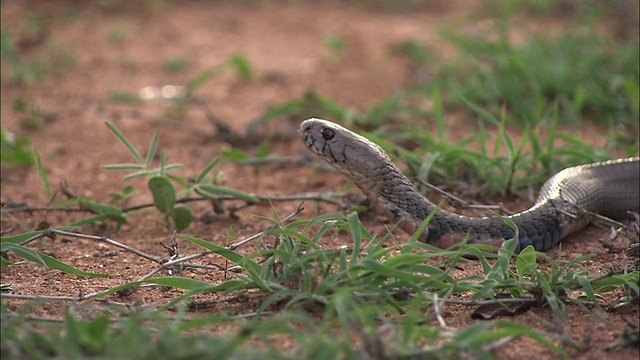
(609, 188)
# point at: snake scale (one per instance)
(609, 188)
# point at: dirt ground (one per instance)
(94, 49)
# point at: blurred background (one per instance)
(229, 74)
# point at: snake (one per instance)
(565, 204)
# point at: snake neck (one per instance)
(398, 195)
(409, 208)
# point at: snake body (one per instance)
(609, 188)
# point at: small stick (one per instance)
(233, 246)
(438, 314)
(460, 203)
(102, 239)
(327, 197)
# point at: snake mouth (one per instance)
(306, 133)
(309, 140)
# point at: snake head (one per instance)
(346, 151)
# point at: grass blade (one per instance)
(206, 170)
(42, 173)
(126, 141)
(48, 261)
(152, 148)
(212, 190)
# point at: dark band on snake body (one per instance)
(609, 188)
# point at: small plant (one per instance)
(161, 182)
(586, 74)
(176, 64)
(123, 195)
(160, 185)
(62, 57)
(23, 72)
(118, 33)
(179, 106)
(242, 66)
(15, 151)
(124, 97)
(31, 119)
(335, 45)
(420, 58)
(312, 104)
(239, 63)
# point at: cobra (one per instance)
(609, 188)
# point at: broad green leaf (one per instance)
(182, 217)
(526, 261)
(164, 194)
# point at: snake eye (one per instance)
(328, 134)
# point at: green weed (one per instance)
(31, 118)
(588, 75)
(23, 72)
(15, 150)
(176, 64)
(335, 46)
(161, 182)
(62, 57)
(117, 34)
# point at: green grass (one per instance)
(327, 302)
(48, 58)
(335, 47)
(15, 150)
(176, 64)
(323, 299)
(587, 74)
(505, 164)
(118, 33)
(23, 72)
